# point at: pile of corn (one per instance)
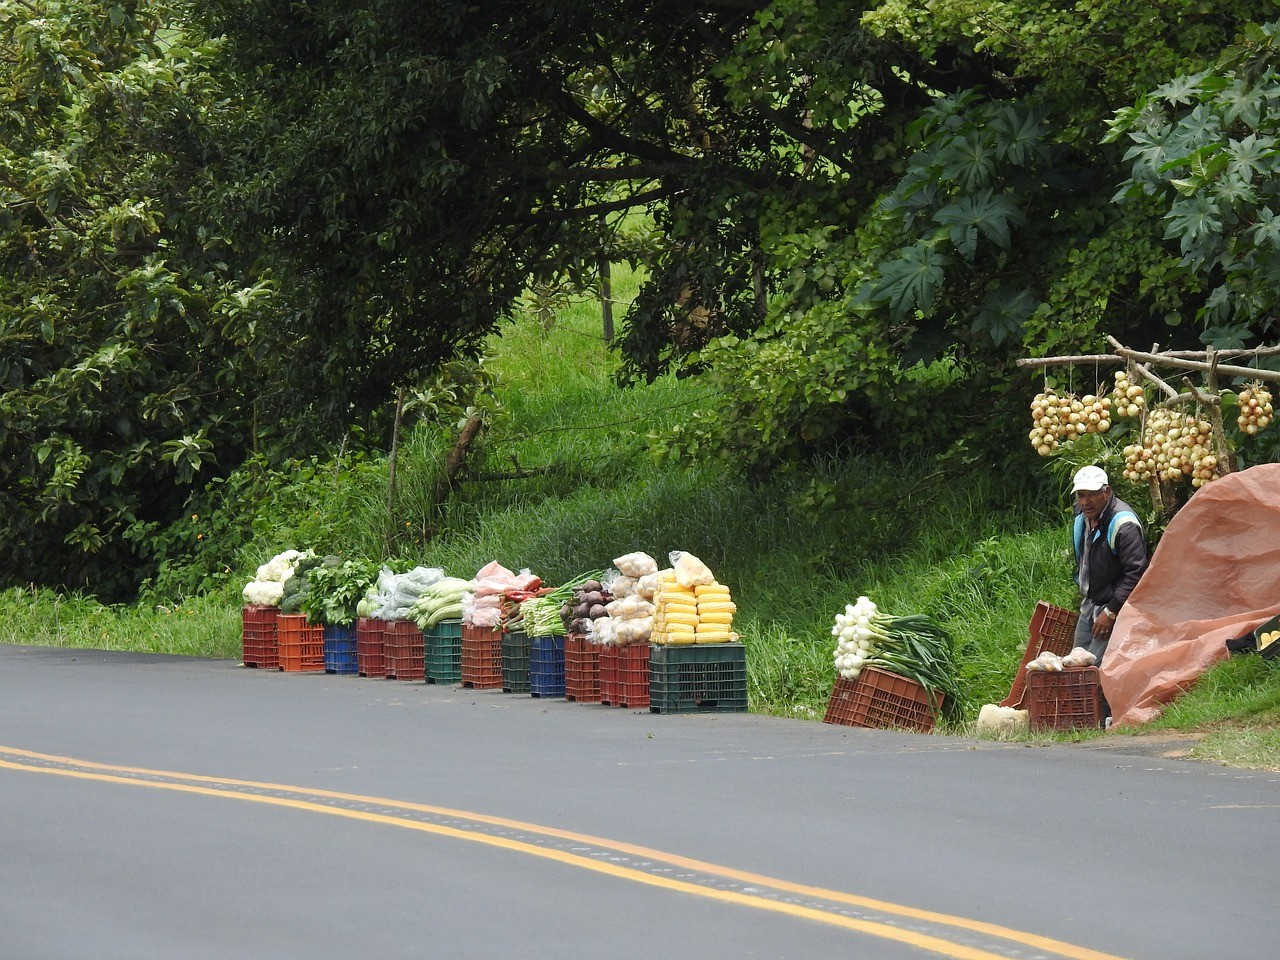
(697, 614)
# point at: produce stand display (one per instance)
(443, 652)
(481, 657)
(581, 669)
(515, 661)
(1052, 629)
(300, 644)
(624, 676)
(403, 650)
(339, 649)
(1070, 699)
(546, 666)
(881, 700)
(258, 629)
(698, 678)
(369, 659)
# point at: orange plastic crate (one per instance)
(1066, 700)
(581, 669)
(481, 657)
(258, 636)
(300, 644)
(370, 661)
(624, 675)
(881, 700)
(403, 650)
(1053, 629)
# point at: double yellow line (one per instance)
(296, 798)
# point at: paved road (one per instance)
(161, 807)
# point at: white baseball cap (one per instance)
(1089, 479)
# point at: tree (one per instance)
(123, 375)
(980, 225)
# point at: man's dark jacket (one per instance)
(1113, 575)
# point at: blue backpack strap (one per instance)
(1118, 521)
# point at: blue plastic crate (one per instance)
(340, 650)
(546, 666)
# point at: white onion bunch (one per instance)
(1255, 408)
(1127, 398)
(1058, 419)
(857, 634)
(1173, 448)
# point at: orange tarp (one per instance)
(1215, 575)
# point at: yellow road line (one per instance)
(885, 931)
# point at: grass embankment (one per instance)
(582, 489)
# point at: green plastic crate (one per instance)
(443, 649)
(515, 662)
(698, 678)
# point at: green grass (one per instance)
(207, 626)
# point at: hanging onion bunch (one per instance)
(1127, 398)
(1255, 408)
(1174, 447)
(1057, 419)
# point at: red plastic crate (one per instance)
(403, 650)
(624, 675)
(881, 700)
(370, 661)
(1069, 700)
(258, 636)
(581, 669)
(1053, 629)
(300, 644)
(481, 657)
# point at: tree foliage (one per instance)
(123, 320)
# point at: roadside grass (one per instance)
(1236, 706)
(205, 626)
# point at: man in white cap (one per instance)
(1111, 555)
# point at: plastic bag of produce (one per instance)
(629, 608)
(690, 571)
(636, 564)
(619, 586)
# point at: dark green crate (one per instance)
(443, 647)
(515, 662)
(698, 678)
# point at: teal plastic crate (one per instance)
(443, 652)
(515, 662)
(698, 678)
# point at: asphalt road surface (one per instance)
(165, 807)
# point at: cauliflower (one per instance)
(267, 587)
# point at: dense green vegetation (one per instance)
(854, 214)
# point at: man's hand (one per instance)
(1103, 621)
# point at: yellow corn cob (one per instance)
(715, 619)
(670, 619)
(710, 590)
(712, 637)
(678, 606)
(718, 606)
